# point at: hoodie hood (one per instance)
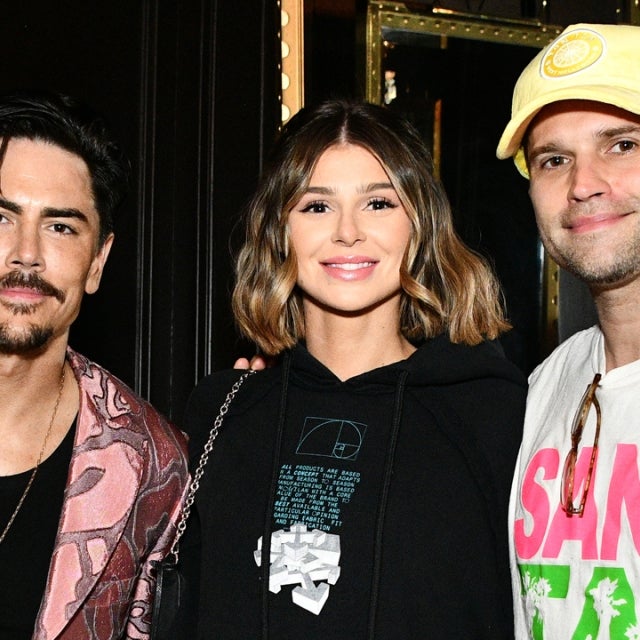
(435, 362)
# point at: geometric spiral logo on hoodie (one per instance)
(331, 438)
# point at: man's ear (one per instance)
(97, 265)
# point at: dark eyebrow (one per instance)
(323, 191)
(604, 134)
(10, 206)
(52, 212)
(619, 131)
(374, 186)
(47, 212)
(533, 152)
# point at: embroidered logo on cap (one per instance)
(571, 53)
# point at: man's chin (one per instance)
(605, 277)
(28, 342)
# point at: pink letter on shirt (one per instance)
(536, 502)
(582, 528)
(623, 487)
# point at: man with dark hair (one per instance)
(91, 476)
(575, 503)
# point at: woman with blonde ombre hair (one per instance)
(445, 286)
(376, 454)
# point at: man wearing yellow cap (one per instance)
(575, 504)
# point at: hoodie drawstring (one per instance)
(382, 505)
(265, 555)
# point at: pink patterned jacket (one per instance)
(125, 486)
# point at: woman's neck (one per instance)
(351, 346)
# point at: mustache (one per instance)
(31, 281)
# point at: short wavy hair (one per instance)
(445, 285)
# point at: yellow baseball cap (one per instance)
(599, 62)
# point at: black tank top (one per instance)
(26, 552)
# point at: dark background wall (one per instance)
(191, 88)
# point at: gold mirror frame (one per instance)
(388, 19)
(385, 16)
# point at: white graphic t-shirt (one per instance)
(578, 578)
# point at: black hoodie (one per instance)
(386, 495)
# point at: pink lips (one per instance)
(586, 224)
(349, 268)
(22, 293)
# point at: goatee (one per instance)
(31, 340)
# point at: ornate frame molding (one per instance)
(292, 41)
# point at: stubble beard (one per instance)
(583, 260)
(584, 255)
(28, 341)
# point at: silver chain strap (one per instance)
(204, 458)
